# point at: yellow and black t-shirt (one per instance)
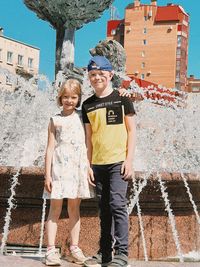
(109, 134)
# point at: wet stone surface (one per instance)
(16, 261)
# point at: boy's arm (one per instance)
(127, 169)
(88, 140)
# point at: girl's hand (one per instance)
(91, 176)
(48, 184)
(127, 169)
(124, 92)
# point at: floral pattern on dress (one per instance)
(69, 164)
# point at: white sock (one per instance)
(73, 247)
(50, 247)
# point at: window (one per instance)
(8, 80)
(143, 54)
(177, 76)
(178, 53)
(179, 41)
(144, 42)
(195, 88)
(9, 57)
(113, 32)
(30, 63)
(20, 60)
(178, 86)
(142, 76)
(178, 65)
(183, 54)
(143, 65)
(145, 30)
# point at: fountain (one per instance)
(164, 197)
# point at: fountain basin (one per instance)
(26, 217)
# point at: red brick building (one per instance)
(193, 85)
(155, 39)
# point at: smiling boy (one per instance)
(110, 137)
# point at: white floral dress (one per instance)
(69, 164)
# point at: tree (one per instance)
(67, 16)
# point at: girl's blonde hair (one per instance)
(72, 85)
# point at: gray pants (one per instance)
(111, 191)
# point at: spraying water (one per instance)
(168, 136)
(42, 226)
(11, 205)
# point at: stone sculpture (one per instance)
(67, 16)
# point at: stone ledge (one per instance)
(39, 171)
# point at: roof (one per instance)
(152, 90)
(170, 13)
(13, 40)
(140, 82)
(113, 25)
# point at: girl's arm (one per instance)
(88, 140)
(49, 155)
(127, 169)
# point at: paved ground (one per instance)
(16, 261)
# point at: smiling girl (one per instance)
(66, 171)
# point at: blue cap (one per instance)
(99, 63)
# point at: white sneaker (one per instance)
(52, 258)
(76, 256)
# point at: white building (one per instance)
(16, 58)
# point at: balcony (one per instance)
(23, 73)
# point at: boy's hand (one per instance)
(48, 184)
(127, 169)
(91, 176)
(124, 92)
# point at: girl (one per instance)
(66, 171)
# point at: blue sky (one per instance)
(22, 24)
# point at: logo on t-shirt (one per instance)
(114, 115)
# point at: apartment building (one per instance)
(16, 58)
(193, 84)
(155, 39)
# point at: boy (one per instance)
(110, 137)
